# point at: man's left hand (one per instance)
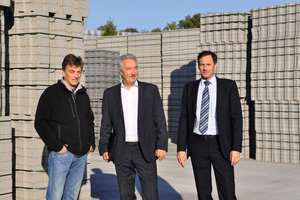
(160, 154)
(91, 150)
(234, 157)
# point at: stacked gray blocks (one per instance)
(3, 5)
(41, 34)
(5, 158)
(147, 49)
(101, 72)
(275, 82)
(2, 65)
(179, 54)
(226, 34)
(6, 146)
(112, 43)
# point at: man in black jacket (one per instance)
(210, 129)
(134, 111)
(65, 122)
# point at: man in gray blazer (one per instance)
(133, 111)
(210, 129)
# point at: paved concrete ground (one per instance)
(254, 180)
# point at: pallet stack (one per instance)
(275, 82)
(41, 34)
(226, 34)
(2, 63)
(101, 72)
(147, 49)
(6, 152)
(111, 43)
(6, 146)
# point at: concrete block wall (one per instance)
(2, 64)
(275, 70)
(147, 49)
(6, 146)
(6, 152)
(101, 72)
(179, 54)
(40, 35)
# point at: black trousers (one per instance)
(126, 172)
(204, 154)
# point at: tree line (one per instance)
(110, 29)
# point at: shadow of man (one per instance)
(179, 77)
(104, 186)
(165, 190)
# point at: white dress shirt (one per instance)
(130, 111)
(212, 119)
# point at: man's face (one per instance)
(72, 76)
(207, 67)
(129, 73)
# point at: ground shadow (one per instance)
(105, 187)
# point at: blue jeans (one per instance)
(65, 175)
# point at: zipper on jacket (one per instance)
(78, 120)
(58, 131)
(72, 107)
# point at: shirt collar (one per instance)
(135, 84)
(212, 81)
(79, 86)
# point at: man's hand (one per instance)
(181, 155)
(63, 150)
(91, 149)
(161, 154)
(234, 157)
(106, 156)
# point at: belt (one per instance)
(132, 143)
(207, 137)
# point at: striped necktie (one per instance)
(203, 125)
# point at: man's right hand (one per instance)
(181, 155)
(106, 156)
(63, 150)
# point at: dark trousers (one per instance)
(204, 154)
(134, 161)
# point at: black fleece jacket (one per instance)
(63, 118)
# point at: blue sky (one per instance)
(152, 14)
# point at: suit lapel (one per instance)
(195, 95)
(220, 91)
(140, 102)
(119, 101)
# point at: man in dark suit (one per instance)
(134, 111)
(210, 129)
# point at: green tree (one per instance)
(156, 30)
(171, 26)
(190, 22)
(109, 29)
(132, 30)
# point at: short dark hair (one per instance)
(207, 53)
(72, 60)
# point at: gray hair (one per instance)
(124, 57)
